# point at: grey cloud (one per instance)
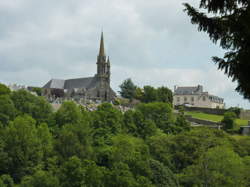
(51, 38)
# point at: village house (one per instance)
(196, 97)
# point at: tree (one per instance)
(107, 121)
(23, 147)
(229, 121)
(160, 113)
(4, 90)
(236, 110)
(68, 113)
(227, 22)
(7, 181)
(72, 173)
(164, 95)
(73, 140)
(40, 179)
(162, 175)
(219, 166)
(27, 103)
(37, 90)
(7, 109)
(149, 94)
(138, 93)
(182, 150)
(128, 89)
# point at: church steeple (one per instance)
(102, 50)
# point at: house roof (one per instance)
(188, 90)
(88, 82)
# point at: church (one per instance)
(96, 88)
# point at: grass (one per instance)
(213, 117)
(200, 115)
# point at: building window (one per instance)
(185, 99)
(204, 98)
(192, 99)
(178, 99)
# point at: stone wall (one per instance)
(201, 121)
(245, 114)
(216, 111)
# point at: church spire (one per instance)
(102, 50)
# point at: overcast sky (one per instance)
(152, 42)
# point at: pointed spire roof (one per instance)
(102, 50)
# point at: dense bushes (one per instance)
(148, 146)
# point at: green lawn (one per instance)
(213, 117)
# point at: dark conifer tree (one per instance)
(227, 22)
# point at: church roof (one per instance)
(88, 82)
(55, 83)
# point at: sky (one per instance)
(151, 42)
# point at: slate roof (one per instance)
(55, 83)
(88, 82)
(188, 90)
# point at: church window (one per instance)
(204, 98)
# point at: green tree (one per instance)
(149, 94)
(73, 140)
(144, 127)
(228, 121)
(4, 90)
(136, 124)
(7, 109)
(40, 179)
(227, 22)
(37, 90)
(46, 140)
(246, 162)
(128, 89)
(219, 166)
(23, 147)
(160, 113)
(181, 123)
(164, 95)
(236, 110)
(107, 121)
(138, 93)
(181, 150)
(133, 152)
(121, 176)
(72, 173)
(68, 113)
(37, 107)
(94, 175)
(162, 176)
(7, 181)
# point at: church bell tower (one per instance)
(103, 71)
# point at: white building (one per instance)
(15, 87)
(195, 97)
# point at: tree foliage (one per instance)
(228, 121)
(4, 90)
(227, 22)
(148, 146)
(128, 89)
